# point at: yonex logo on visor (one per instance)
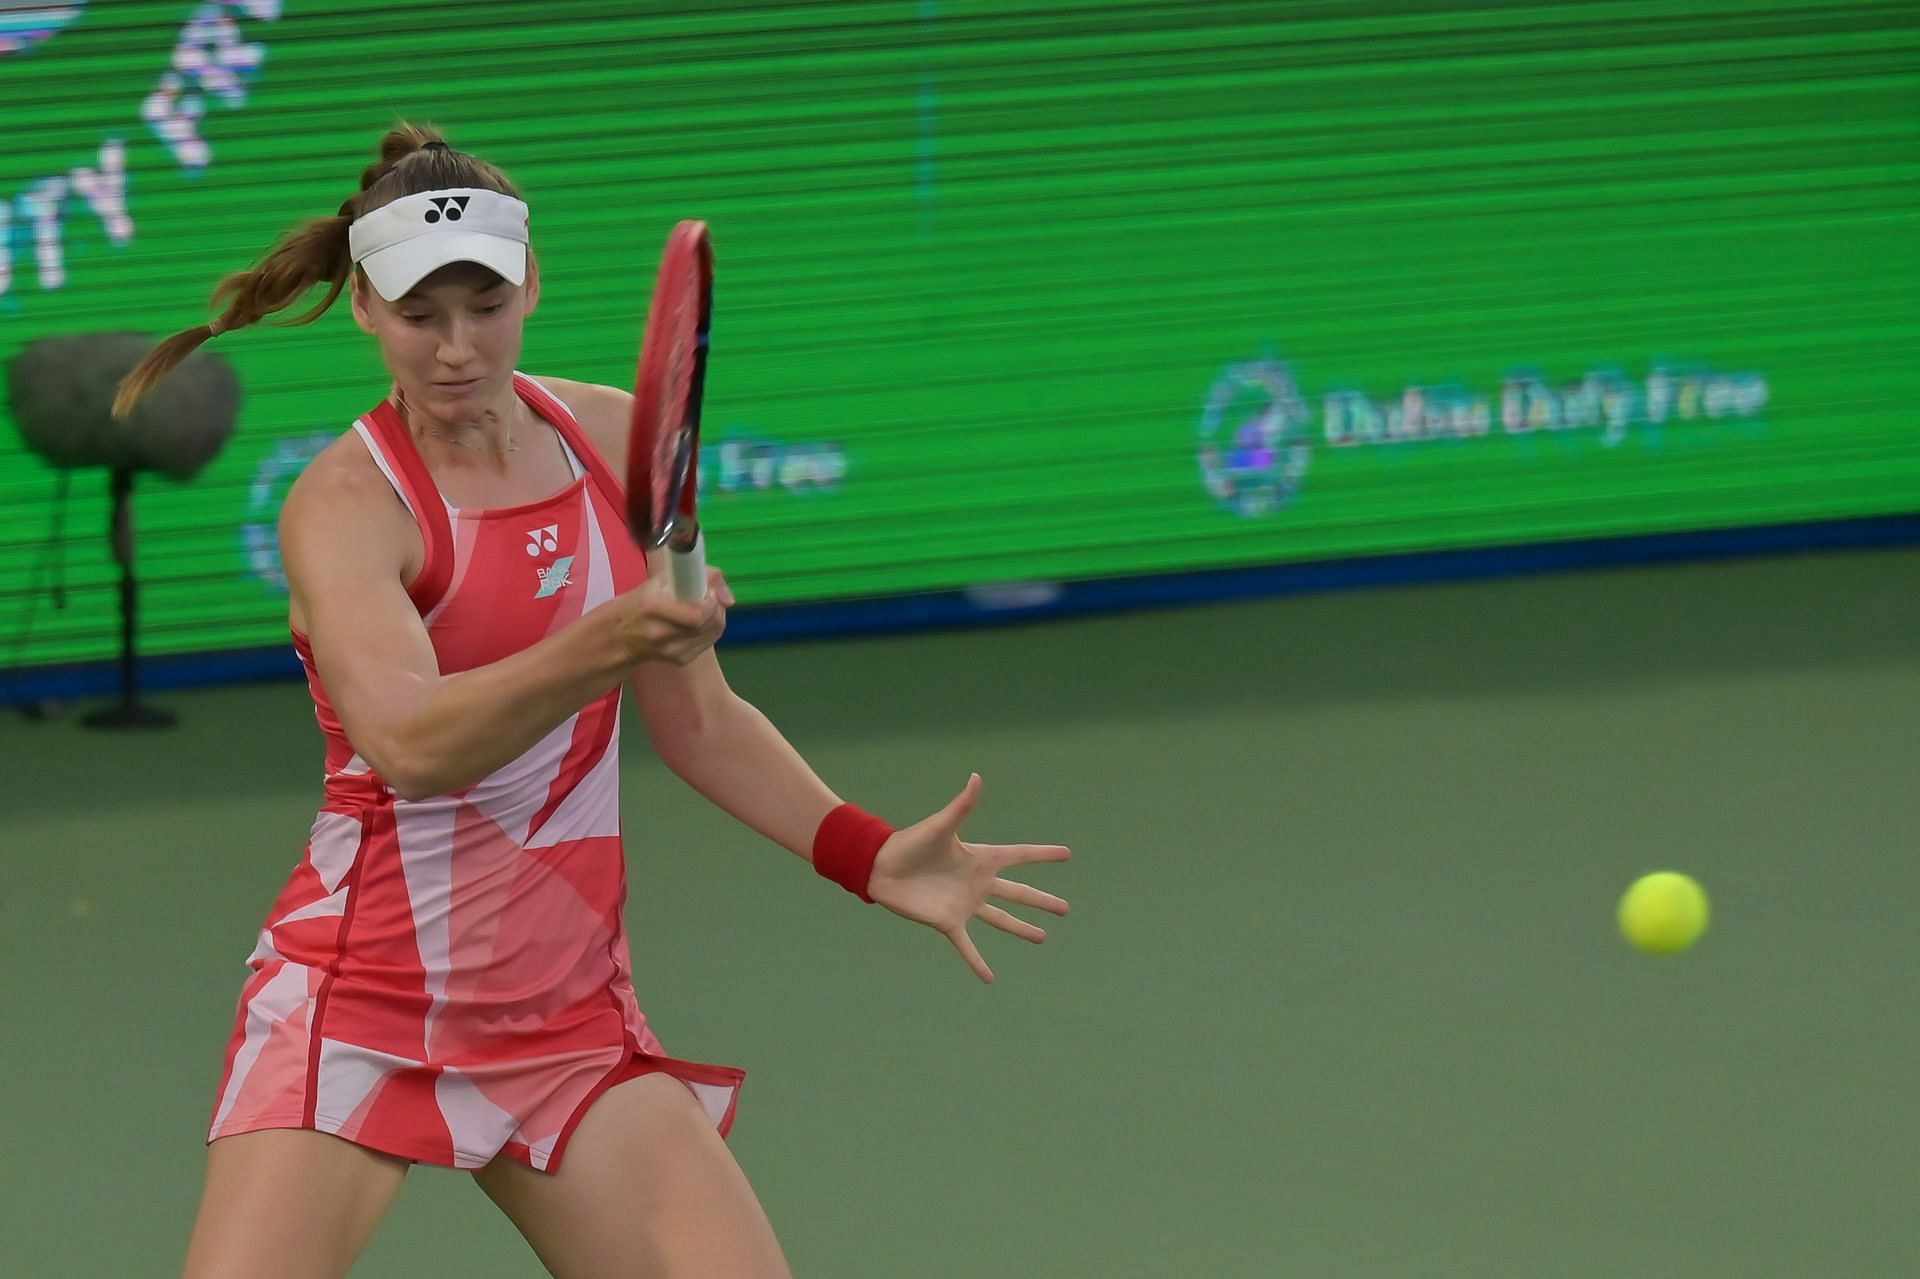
(401, 243)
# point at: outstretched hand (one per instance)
(927, 873)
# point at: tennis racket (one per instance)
(663, 457)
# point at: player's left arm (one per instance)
(724, 747)
(713, 739)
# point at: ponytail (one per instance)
(412, 159)
(314, 253)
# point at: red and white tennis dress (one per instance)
(447, 979)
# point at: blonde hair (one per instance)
(413, 159)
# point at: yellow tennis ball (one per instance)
(1664, 913)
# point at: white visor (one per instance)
(400, 244)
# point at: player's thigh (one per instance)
(290, 1203)
(647, 1190)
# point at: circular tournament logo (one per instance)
(260, 529)
(24, 25)
(1254, 449)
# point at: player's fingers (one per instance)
(686, 630)
(693, 619)
(1025, 854)
(718, 588)
(685, 615)
(1011, 924)
(679, 644)
(970, 953)
(960, 805)
(1011, 890)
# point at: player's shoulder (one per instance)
(588, 397)
(339, 487)
(603, 412)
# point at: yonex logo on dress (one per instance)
(554, 577)
(543, 539)
(450, 205)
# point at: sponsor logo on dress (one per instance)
(545, 540)
(555, 576)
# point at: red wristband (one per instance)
(844, 847)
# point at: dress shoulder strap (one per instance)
(554, 409)
(386, 437)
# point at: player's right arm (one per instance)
(348, 545)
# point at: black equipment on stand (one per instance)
(129, 711)
(60, 394)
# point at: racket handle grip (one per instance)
(689, 570)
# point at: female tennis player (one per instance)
(445, 978)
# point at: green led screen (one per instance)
(1027, 292)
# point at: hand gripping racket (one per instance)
(663, 457)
